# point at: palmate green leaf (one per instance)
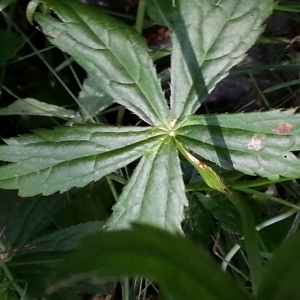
(29, 250)
(210, 37)
(25, 219)
(282, 278)
(181, 269)
(111, 52)
(57, 160)
(155, 193)
(259, 143)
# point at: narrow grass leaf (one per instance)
(112, 53)
(59, 159)
(181, 269)
(282, 278)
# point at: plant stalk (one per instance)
(249, 230)
(251, 238)
(140, 16)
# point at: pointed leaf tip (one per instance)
(208, 39)
(97, 41)
(66, 157)
(258, 143)
(155, 194)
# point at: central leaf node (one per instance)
(172, 131)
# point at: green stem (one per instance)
(140, 16)
(251, 238)
(112, 188)
(209, 176)
(239, 184)
(232, 252)
(260, 92)
(125, 289)
(264, 196)
(18, 289)
(117, 178)
(120, 115)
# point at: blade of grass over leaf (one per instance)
(97, 41)
(155, 193)
(259, 143)
(251, 237)
(57, 160)
(281, 278)
(209, 38)
(184, 271)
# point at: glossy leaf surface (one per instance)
(259, 143)
(57, 160)
(184, 271)
(155, 193)
(209, 38)
(97, 41)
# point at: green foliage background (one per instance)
(208, 39)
